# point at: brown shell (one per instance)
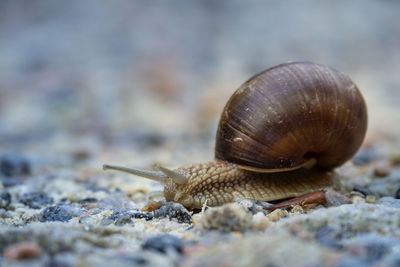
(288, 114)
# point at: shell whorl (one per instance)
(284, 116)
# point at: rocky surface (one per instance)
(135, 84)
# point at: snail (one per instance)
(280, 135)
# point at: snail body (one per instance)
(279, 136)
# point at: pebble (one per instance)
(328, 236)
(36, 199)
(22, 251)
(87, 200)
(121, 218)
(125, 217)
(362, 190)
(13, 165)
(370, 199)
(170, 210)
(143, 215)
(276, 215)
(5, 199)
(382, 169)
(135, 259)
(227, 218)
(260, 221)
(254, 206)
(61, 212)
(10, 181)
(397, 194)
(164, 244)
(335, 199)
(174, 210)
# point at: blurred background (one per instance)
(149, 78)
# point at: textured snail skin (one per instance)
(284, 116)
(219, 182)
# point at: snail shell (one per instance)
(290, 116)
(285, 116)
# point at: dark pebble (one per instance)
(376, 251)
(171, 210)
(35, 200)
(13, 165)
(362, 190)
(143, 215)
(121, 217)
(87, 200)
(62, 213)
(327, 236)
(56, 263)
(124, 217)
(174, 211)
(5, 199)
(135, 258)
(397, 194)
(163, 244)
(10, 181)
(63, 200)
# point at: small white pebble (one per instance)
(370, 199)
(260, 221)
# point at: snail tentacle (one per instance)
(152, 175)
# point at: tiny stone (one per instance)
(87, 200)
(106, 221)
(5, 199)
(276, 215)
(254, 206)
(62, 213)
(382, 169)
(12, 165)
(397, 194)
(121, 217)
(227, 218)
(86, 220)
(174, 211)
(334, 198)
(10, 181)
(362, 190)
(163, 243)
(370, 199)
(136, 259)
(357, 199)
(35, 200)
(143, 215)
(22, 251)
(328, 236)
(260, 221)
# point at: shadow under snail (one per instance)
(280, 135)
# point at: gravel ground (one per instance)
(139, 83)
